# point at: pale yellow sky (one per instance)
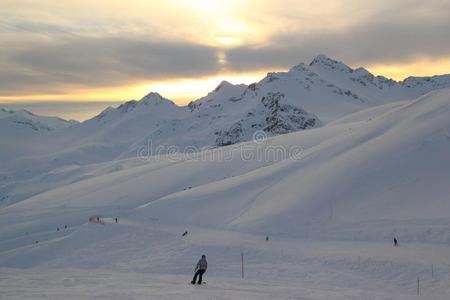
(182, 90)
(107, 50)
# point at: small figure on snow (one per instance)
(395, 242)
(185, 233)
(200, 269)
(267, 238)
(117, 220)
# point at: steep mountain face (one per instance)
(236, 112)
(279, 117)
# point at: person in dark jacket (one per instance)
(395, 242)
(200, 269)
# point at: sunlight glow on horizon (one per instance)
(184, 90)
(181, 91)
(421, 68)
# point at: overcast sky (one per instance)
(107, 49)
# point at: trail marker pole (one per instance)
(418, 286)
(242, 264)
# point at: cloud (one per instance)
(52, 64)
(131, 43)
(382, 39)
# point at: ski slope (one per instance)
(330, 210)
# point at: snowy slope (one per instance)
(395, 164)
(305, 97)
(23, 133)
(153, 124)
(389, 162)
(330, 210)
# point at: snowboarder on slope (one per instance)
(200, 269)
(395, 242)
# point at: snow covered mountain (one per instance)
(227, 115)
(375, 88)
(305, 97)
(22, 133)
(24, 119)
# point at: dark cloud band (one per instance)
(377, 41)
(101, 61)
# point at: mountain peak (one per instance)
(223, 84)
(324, 61)
(154, 98)
(364, 73)
(152, 95)
(321, 58)
(299, 68)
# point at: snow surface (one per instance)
(330, 204)
(22, 133)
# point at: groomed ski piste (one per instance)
(331, 212)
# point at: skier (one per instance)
(185, 233)
(395, 242)
(200, 269)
